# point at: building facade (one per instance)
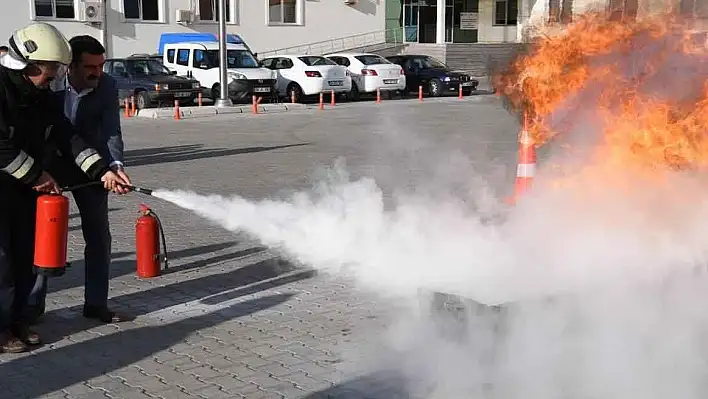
(559, 12)
(134, 26)
(457, 21)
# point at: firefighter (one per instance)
(32, 130)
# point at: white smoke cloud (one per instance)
(603, 295)
(602, 288)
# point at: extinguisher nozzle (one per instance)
(141, 190)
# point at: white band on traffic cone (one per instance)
(526, 170)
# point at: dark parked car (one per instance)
(156, 57)
(435, 77)
(150, 82)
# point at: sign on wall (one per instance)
(469, 20)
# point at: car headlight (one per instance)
(273, 75)
(159, 87)
(196, 85)
(446, 79)
(237, 76)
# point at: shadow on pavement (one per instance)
(188, 152)
(381, 385)
(49, 371)
(254, 278)
(121, 267)
(214, 259)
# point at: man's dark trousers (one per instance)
(18, 206)
(92, 202)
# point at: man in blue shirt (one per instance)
(90, 101)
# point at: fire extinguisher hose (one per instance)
(162, 236)
(141, 190)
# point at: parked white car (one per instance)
(201, 61)
(306, 75)
(370, 72)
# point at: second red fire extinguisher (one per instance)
(51, 234)
(148, 230)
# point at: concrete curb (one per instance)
(204, 111)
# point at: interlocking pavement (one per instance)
(231, 318)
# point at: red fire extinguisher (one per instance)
(51, 234)
(148, 230)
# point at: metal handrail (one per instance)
(392, 36)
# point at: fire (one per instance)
(639, 86)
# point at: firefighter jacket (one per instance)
(33, 129)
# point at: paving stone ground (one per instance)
(231, 318)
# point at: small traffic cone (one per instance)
(133, 111)
(332, 101)
(526, 169)
(459, 92)
(177, 115)
(378, 96)
(321, 101)
(420, 93)
(126, 108)
(254, 104)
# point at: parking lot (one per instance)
(230, 318)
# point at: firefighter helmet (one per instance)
(38, 42)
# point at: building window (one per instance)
(506, 12)
(54, 9)
(623, 10)
(144, 10)
(560, 11)
(693, 8)
(209, 10)
(283, 11)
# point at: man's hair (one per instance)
(83, 44)
(4, 48)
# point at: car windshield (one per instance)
(234, 59)
(430, 62)
(312, 60)
(147, 67)
(371, 59)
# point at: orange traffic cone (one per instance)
(177, 115)
(526, 169)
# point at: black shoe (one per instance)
(9, 343)
(103, 314)
(25, 334)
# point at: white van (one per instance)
(200, 60)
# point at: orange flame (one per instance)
(619, 74)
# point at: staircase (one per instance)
(482, 59)
(385, 42)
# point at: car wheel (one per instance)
(215, 92)
(294, 90)
(435, 88)
(142, 100)
(354, 94)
